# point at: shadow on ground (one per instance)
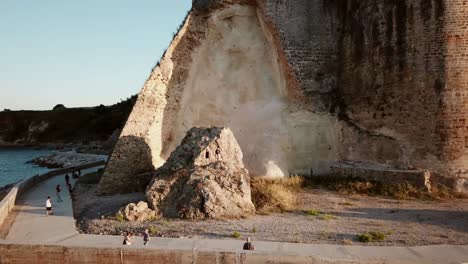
(456, 220)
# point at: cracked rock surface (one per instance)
(203, 178)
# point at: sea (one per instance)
(14, 166)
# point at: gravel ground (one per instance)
(408, 222)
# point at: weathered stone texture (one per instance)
(385, 174)
(222, 69)
(381, 82)
(137, 212)
(403, 83)
(307, 33)
(203, 178)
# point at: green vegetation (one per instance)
(371, 237)
(153, 230)
(327, 217)
(165, 222)
(64, 125)
(59, 107)
(119, 217)
(153, 219)
(235, 234)
(320, 215)
(275, 195)
(254, 230)
(312, 212)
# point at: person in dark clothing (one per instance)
(75, 174)
(248, 245)
(146, 237)
(70, 190)
(67, 179)
(59, 197)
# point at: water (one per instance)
(13, 165)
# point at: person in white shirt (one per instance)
(49, 207)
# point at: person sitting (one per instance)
(248, 245)
(128, 239)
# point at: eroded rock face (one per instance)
(203, 178)
(137, 212)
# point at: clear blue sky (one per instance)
(81, 53)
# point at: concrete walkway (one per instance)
(32, 226)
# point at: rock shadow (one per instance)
(128, 171)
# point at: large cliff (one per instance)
(304, 84)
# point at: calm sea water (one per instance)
(13, 165)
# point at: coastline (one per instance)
(98, 148)
(16, 160)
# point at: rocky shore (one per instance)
(67, 159)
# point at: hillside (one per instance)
(63, 125)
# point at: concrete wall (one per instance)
(8, 202)
(11, 254)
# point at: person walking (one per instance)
(49, 207)
(59, 198)
(67, 179)
(146, 237)
(248, 245)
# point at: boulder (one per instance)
(203, 178)
(137, 212)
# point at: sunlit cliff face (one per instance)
(222, 69)
(236, 81)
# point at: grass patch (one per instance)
(165, 222)
(153, 230)
(153, 219)
(235, 234)
(312, 212)
(371, 237)
(327, 217)
(119, 217)
(91, 178)
(275, 195)
(320, 215)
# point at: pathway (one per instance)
(32, 226)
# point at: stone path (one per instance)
(32, 226)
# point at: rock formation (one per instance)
(137, 212)
(203, 178)
(379, 82)
(66, 159)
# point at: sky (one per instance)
(81, 53)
